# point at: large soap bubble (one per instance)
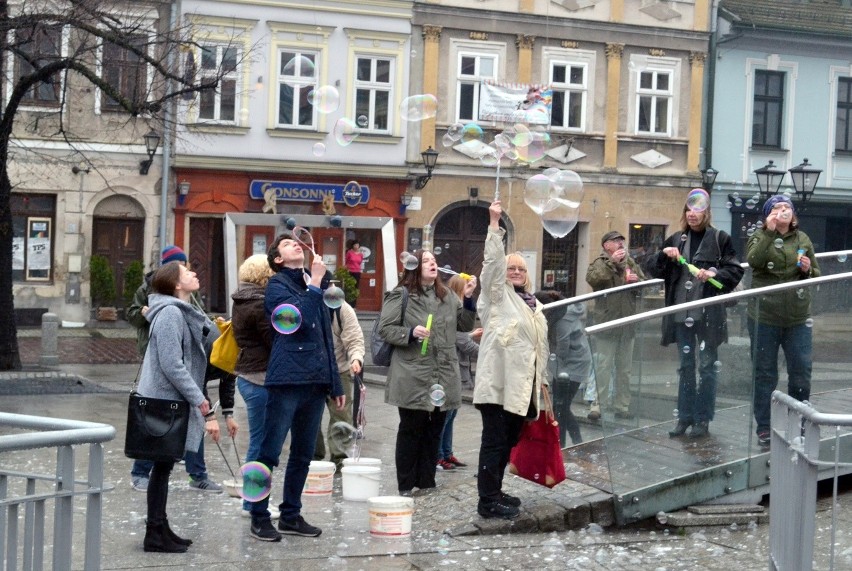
(471, 133)
(345, 131)
(299, 66)
(455, 131)
(559, 217)
(257, 481)
(333, 296)
(418, 107)
(326, 99)
(698, 200)
(568, 185)
(537, 192)
(286, 319)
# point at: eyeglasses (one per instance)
(516, 269)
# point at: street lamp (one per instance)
(805, 178)
(430, 158)
(708, 178)
(769, 180)
(152, 141)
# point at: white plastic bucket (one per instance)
(362, 461)
(320, 479)
(361, 482)
(390, 516)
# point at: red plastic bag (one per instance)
(537, 456)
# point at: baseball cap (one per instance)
(612, 235)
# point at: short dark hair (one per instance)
(272, 252)
(166, 279)
(351, 243)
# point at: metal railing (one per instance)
(795, 464)
(32, 505)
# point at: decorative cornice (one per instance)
(291, 167)
(525, 42)
(432, 33)
(614, 51)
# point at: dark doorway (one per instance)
(207, 260)
(559, 263)
(120, 241)
(460, 235)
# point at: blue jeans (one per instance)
(797, 342)
(445, 450)
(300, 408)
(195, 466)
(255, 399)
(695, 403)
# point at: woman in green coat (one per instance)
(424, 355)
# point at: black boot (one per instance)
(175, 537)
(700, 430)
(157, 539)
(680, 429)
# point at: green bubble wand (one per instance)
(694, 271)
(426, 339)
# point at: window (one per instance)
(473, 68)
(768, 108)
(38, 46)
(125, 70)
(32, 236)
(373, 80)
(644, 242)
(654, 102)
(568, 82)
(219, 104)
(843, 135)
(297, 78)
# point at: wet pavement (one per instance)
(568, 527)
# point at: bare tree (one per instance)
(52, 50)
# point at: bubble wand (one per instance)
(694, 271)
(426, 339)
(462, 275)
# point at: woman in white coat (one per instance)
(511, 368)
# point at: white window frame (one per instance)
(475, 80)
(299, 84)
(12, 77)
(644, 64)
(468, 48)
(572, 58)
(373, 87)
(234, 76)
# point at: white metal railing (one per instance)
(794, 466)
(63, 435)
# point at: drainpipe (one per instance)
(168, 126)
(711, 85)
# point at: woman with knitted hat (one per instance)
(697, 332)
(779, 253)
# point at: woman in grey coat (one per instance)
(173, 368)
(415, 368)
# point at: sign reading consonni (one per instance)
(350, 193)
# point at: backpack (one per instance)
(380, 349)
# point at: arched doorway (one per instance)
(118, 234)
(460, 234)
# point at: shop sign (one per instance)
(351, 193)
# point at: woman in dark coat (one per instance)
(697, 332)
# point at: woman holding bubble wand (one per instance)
(696, 262)
(512, 365)
(778, 253)
(423, 378)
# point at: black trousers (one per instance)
(500, 432)
(563, 394)
(417, 442)
(158, 492)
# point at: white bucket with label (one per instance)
(361, 482)
(362, 461)
(320, 479)
(390, 516)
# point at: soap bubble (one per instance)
(333, 297)
(809, 322)
(697, 200)
(841, 258)
(418, 107)
(537, 192)
(662, 518)
(683, 237)
(319, 149)
(471, 133)
(257, 481)
(455, 131)
(770, 265)
(409, 261)
(342, 435)
(686, 349)
(779, 243)
(437, 396)
(535, 150)
(290, 223)
(717, 366)
(559, 217)
(523, 136)
(447, 140)
(689, 322)
(437, 250)
(336, 221)
(362, 121)
(688, 285)
(345, 131)
(326, 99)
(298, 67)
(569, 186)
(286, 319)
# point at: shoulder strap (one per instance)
(404, 304)
(336, 313)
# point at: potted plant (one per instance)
(102, 284)
(347, 284)
(134, 275)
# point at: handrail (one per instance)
(734, 296)
(810, 413)
(60, 432)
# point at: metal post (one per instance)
(49, 340)
(63, 521)
(94, 508)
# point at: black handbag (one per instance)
(381, 350)
(156, 428)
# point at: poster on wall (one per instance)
(38, 249)
(18, 253)
(515, 102)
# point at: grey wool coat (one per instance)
(176, 357)
(411, 374)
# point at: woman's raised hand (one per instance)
(495, 211)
